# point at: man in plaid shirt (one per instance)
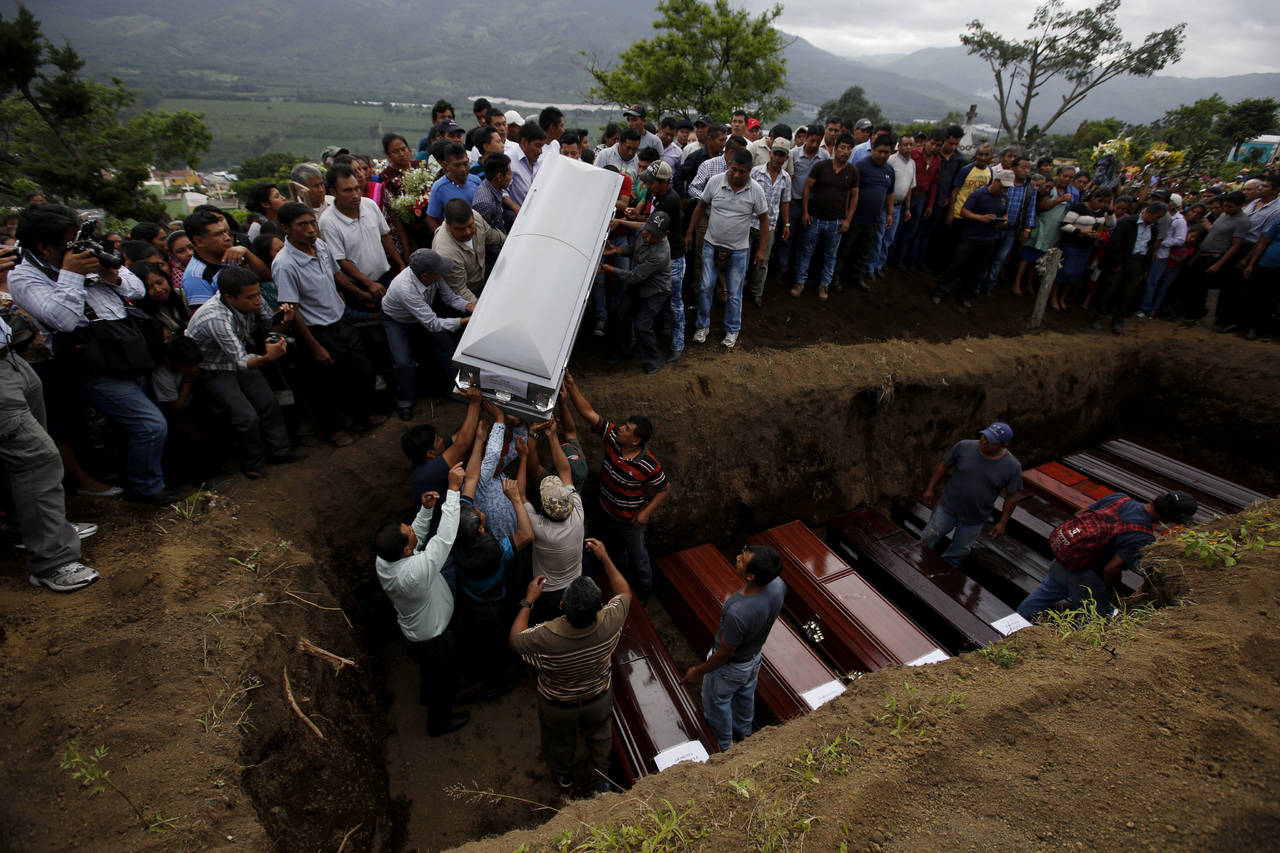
(1022, 212)
(231, 377)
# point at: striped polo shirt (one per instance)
(622, 481)
(573, 664)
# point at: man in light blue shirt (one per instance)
(409, 570)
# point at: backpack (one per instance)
(1079, 542)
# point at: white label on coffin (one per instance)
(690, 750)
(933, 657)
(822, 694)
(498, 382)
(1009, 624)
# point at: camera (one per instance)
(86, 240)
(273, 338)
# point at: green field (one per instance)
(247, 128)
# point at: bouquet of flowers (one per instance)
(1118, 148)
(411, 205)
(1159, 156)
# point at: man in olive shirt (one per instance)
(572, 656)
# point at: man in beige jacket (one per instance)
(464, 239)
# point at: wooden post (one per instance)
(1047, 266)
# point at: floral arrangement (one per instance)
(411, 205)
(1120, 149)
(1159, 156)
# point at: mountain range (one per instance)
(532, 50)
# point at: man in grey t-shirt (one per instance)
(732, 667)
(981, 470)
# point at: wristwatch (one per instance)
(524, 602)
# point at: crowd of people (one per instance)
(191, 340)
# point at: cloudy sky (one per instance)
(1224, 37)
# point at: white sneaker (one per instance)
(700, 336)
(730, 339)
(1141, 315)
(68, 578)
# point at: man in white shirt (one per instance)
(524, 162)
(622, 154)
(357, 234)
(904, 182)
(410, 304)
(409, 570)
(776, 183)
(732, 202)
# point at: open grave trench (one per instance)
(763, 439)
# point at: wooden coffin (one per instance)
(997, 564)
(1064, 486)
(1194, 479)
(947, 602)
(655, 722)
(793, 679)
(839, 611)
(1120, 479)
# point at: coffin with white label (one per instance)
(655, 722)
(839, 611)
(520, 336)
(793, 679)
(948, 603)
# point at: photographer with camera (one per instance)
(75, 289)
(226, 328)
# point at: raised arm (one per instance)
(616, 580)
(514, 490)
(473, 463)
(558, 459)
(467, 432)
(579, 401)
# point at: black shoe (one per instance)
(1096, 325)
(864, 285)
(936, 300)
(653, 369)
(565, 783)
(1251, 335)
(836, 287)
(1228, 329)
(676, 355)
(1117, 327)
(285, 458)
(455, 722)
(966, 304)
(164, 497)
(499, 690)
(405, 413)
(757, 301)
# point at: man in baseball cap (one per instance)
(415, 298)
(647, 287)
(980, 470)
(1131, 528)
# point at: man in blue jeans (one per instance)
(732, 203)
(980, 470)
(65, 291)
(733, 665)
(410, 301)
(1098, 580)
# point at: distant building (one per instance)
(177, 181)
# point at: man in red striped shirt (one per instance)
(627, 475)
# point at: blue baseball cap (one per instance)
(998, 433)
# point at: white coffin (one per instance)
(521, 334)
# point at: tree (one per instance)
(1084, 49)
(1208, 129)
(77, 138)
(704, 59)
(274, 167)
(850, 106)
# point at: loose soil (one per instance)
(175, 660)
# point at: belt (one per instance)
(572, 703)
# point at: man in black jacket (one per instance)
(1133, 242)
